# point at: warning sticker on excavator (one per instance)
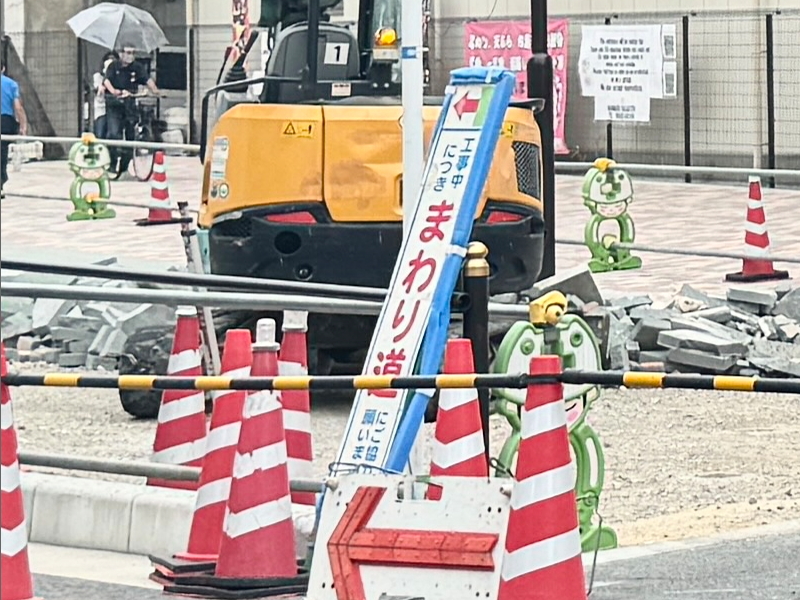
(508, 129)
(303, 129)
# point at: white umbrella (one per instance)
(117, 26)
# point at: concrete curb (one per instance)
(120, 517)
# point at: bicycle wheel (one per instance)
(143, 158)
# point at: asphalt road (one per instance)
(760, 568)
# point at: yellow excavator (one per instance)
(303, 169)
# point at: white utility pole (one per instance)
(413, 84)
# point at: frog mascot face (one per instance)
(89, 160)
(607, 192)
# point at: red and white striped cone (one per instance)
(160, 208)
(223, 436)
(293, 360)
(258, 540)
(181, 431)
(458, 448)
(542, 559)
(756, 239)
(16, 582)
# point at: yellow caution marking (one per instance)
(302, 129)
(738, 384)
(638, 379)
(61, 379)
(295, 382)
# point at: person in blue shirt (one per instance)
(14, 120)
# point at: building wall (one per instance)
(728, 88)
(49, 49)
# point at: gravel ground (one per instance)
(679, 463)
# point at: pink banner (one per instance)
(507, 44)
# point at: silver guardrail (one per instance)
(188, 148)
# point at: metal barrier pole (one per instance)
(476, 323)
(189, 148)
(565, 168)
(232, 300)
(135, 469)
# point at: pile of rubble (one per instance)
(750, 332)
(74, 333)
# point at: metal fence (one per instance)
(737, 104)
(738, 96)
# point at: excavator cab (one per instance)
(303, 177)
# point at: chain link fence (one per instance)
(737, 101)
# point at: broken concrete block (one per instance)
(633, 350)
(688, 291)
(578, 282)
(575, 304)
(789, 305)
(718, 314)
(88, 324)
(629, 302)
(697, 340)
(146, 315)
(46, 313)
(779, 365)
(67, 334)
(27, 343)
(618, 335)
(702, 361)
(763, 298)
(653, 356)
(11, 354)
(114, 344)
(748, 307)
(789, 332)
(44, 354)
(640, 312)
(685, 304)
(783, 288)
(768, 328)
(711, 328)
(77, 346)
(72, 359)
(106, 363)
(11, 305)
(16, 324)
(24, 356)
(646, 331)
(100, 339)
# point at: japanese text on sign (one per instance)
(404, 319)
(507, 44)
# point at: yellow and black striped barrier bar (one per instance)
(629, 379)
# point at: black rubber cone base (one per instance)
(742, 278)
(202, 583)
(177, 567)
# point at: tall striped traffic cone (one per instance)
(542, 559)
(458, 448)
(756, 239)
(258, 540)
(215, 478)
(160, 208)
(293, 360)
(181, 431)
(16, 582)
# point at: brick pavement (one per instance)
(708, 217)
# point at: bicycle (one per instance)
(139, 126)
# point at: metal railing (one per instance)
(571, 168)
(188, 148)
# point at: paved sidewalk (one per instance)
(686, 216)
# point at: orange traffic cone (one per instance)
(297, 403)
(221, 442)
(542, 559)
(16, 582)
(258, 540)
(458, 448)
(181, 431)
(160, 209)
(756, 239)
